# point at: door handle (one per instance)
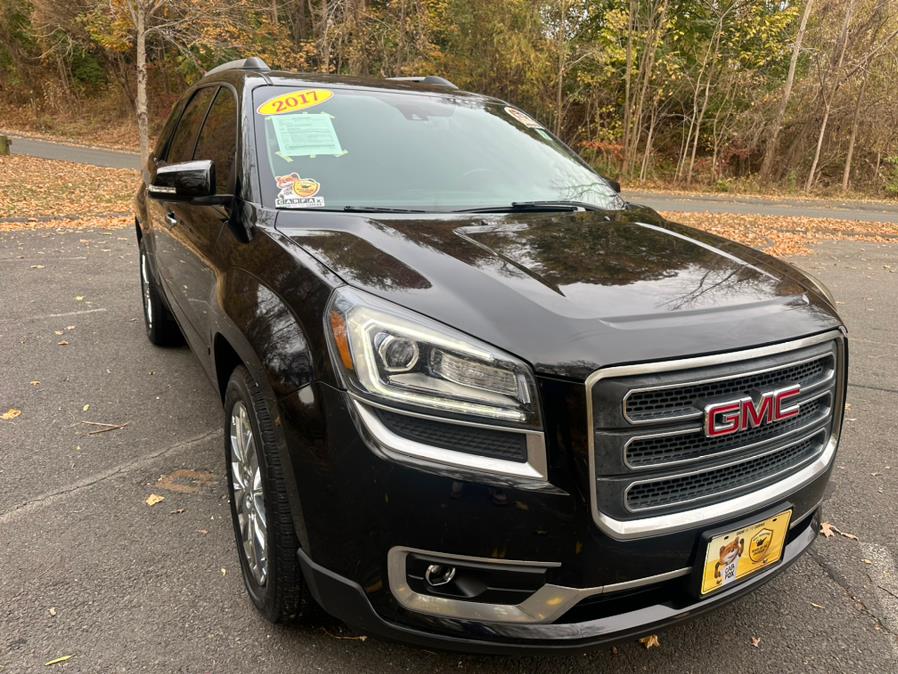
(170, 218)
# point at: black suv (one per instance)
(473, 398)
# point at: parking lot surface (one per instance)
(90, 571)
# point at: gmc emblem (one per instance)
(740, 415)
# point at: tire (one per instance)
(276, 586)
(162, 330)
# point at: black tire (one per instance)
(162, 330)
(283, 597)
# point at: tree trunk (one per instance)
(855, 122)
(561, 45)
(142, 120)
(770, 150)
(828, 100)
(627, 79)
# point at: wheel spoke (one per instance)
(249, 497)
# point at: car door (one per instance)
(198, 227)
(168, 217)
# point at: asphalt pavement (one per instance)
(89, 570)
(695, 203)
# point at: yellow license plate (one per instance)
(732, 556)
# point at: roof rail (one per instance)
(251, 63)
(426, 79)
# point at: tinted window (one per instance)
(182, 144)
(332, 148)
(166, 132)
(218, 139)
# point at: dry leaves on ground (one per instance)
(10, 414)
(651, 641)
(32, 187)
(827, 530)
(154, 499)
(783, 236)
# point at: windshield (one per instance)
(336, 149)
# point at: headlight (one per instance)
(395, 356)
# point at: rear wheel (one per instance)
(263, 523)
(160, 324)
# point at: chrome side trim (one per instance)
(409, 451)
(674, 476)
(545, 605)
(819, 420)
(665, 524)
(830, 374)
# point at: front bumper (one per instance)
(669, 603)
(353, 506)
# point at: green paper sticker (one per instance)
(306, 135)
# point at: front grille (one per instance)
(654, 450)
(678, 401)
(650, 451)
(469, 439)
(728, 479)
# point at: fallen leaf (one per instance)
(79, 298)
(826, 529)
(224, 571)
(817, 605)
(651, 641)
(70, 327)
(37, 266)
(56, 661)
(756, 642)
(867, 561)
(153, 499)
(57, 332)
(62, 343)
(86, 407)
(10, 414)
(52, 611)
(35, 382)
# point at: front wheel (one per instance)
(160, 324)
(263, 523)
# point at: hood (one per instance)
(570, 292)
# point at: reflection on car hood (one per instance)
(570, 292)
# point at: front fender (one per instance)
(265, 333)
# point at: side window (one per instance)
(218, 138)
(166, 132)
(184, 140)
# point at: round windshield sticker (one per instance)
(523, 118)
(297, 192)
(295, 100)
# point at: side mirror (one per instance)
(615, 185)
(183, 182)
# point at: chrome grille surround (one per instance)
(624, 502)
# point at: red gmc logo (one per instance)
(740, 415)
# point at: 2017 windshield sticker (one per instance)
(295, 100)
(523, 118)
(306, 135)
(297, 192)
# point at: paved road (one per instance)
(136, 589)
(872, 212)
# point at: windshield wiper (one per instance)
(379, 209)
(531, 206)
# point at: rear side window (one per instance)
(218, 139)
(181, 148)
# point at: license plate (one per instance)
(735, 555)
